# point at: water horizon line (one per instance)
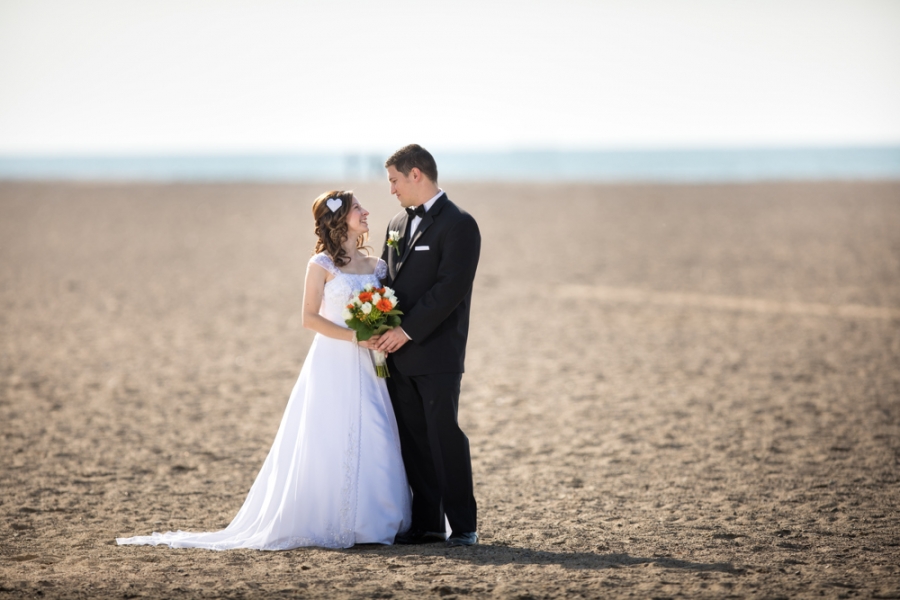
(685, 165)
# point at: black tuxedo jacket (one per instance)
(432, 274)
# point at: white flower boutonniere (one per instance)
(393, 241)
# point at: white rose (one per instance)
(369, 287)
(367, 307)
(376, 297)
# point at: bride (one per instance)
(334, 476)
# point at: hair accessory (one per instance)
(334, 204)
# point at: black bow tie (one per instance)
(418, 211)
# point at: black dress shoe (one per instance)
(463, 539)
(418, 536)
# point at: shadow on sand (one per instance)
(487, 554)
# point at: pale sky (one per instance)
(251, 76)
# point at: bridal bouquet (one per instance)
(373, 311)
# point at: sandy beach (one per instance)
(672, 391)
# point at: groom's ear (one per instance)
(415, 174)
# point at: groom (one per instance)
(431, 266)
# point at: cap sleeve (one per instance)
(381, 269)
(324, 261)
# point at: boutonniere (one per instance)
(393, 241)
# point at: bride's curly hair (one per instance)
(331, 226)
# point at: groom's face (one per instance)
(402, 186)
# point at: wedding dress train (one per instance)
(334, 476)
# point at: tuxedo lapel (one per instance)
(399, 223)
(403, 227)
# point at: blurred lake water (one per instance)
(711, 165)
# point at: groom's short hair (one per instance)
(412, 157)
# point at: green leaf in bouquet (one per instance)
(363, 331)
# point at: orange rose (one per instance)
(365, 296)
(384, 305)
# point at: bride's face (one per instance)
(357, 223)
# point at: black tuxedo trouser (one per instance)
(435, 450)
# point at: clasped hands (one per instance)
(389, 341)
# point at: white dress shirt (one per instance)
(417, 219)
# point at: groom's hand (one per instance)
(392, 340)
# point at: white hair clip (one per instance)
(334, 204)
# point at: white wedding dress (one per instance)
(334, 476)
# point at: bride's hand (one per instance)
(371, 343)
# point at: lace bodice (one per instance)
(340, 289)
